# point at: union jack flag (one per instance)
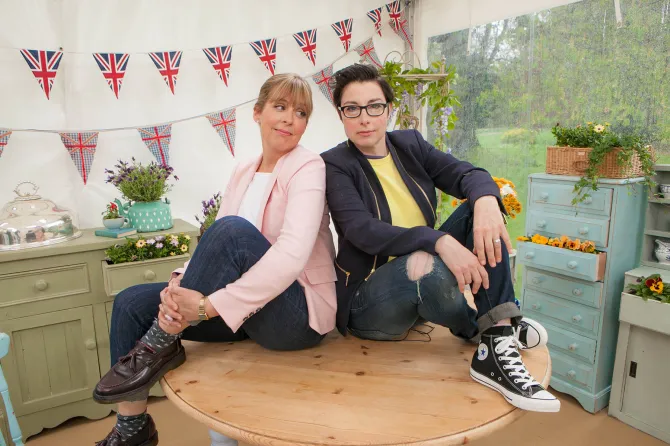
(307, 42)
(167, 63)
(343, 31)
(322, 80)
(224, 124)
(220, 57)
(157, 140)
(399, 22)
(4, 138)
(368, 53)
(44, 65)
(81, 147)
(113, 67)
(266, 50)
(376, 17)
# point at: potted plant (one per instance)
(111, 218)
(143, 186)
(594, 151)
(209, 210)
(140, 249)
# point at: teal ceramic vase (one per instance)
(147, 216)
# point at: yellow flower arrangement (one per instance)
(508, 195)
(561, 242)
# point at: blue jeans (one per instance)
(226, 250)
(388, 304)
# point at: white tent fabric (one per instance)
(81, 99)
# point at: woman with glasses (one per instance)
(394, 268)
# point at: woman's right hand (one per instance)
(175, 280)
(462, 263)
(169, 309)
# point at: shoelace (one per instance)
(507, 345)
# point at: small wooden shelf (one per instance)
(654, 264)
(660, 200)
(664, 234)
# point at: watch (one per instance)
(202, 314)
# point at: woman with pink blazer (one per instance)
(264, 270)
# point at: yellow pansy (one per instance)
(523, 238)
(657, 287)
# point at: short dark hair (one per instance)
(358, 73)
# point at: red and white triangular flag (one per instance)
(224, 124)
(368, 53)
(307, 42)
(157, 140)
(4, 139)
(113, 67)
(220, 58)
(322, 80)
(167, 63)
(343, 31)
(81, 147)
(376, 17)
(44, 66)
(399, 23)
(266, 50)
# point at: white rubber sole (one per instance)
(530, 404)
(542, 332)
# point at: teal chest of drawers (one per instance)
(575, 295)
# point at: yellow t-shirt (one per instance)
(405, 213)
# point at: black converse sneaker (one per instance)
(497, 364)
(531, 334)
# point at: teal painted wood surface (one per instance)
(14, 430)
(579, 310)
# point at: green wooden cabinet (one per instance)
(56, 304)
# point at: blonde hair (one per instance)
(289, 87)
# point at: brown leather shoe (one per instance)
(136, 372)
(147, 436)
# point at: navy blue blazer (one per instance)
(361, 212)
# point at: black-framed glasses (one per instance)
(354, 111)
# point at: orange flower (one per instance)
(523, 238)
(588, 246)
(539, 239)
(575, 245)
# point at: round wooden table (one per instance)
(346, 391)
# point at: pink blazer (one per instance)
(295, 220)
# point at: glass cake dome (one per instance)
(31, 221)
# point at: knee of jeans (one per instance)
(419, 264)
(230, 226)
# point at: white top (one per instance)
(250, 206)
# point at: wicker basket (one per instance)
(575, 161)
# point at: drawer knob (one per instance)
(537, 280)
(572, 374)
(572, 264)
(588, 200)
(541, 224)
(584, 230)
(536, 306)
(572, 347)
(544, 196)
(41, 285)
(149, 275)
(530, 255)
(576, 318)
(577, 292)
(90, 344)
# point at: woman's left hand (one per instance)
(489, 231)
(187, 302)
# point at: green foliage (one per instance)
(651, 287)
(518, 136)
(603, 141)
(111, 212)
(141, 183)
(141, 248)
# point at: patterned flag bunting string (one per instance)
(376, 17)
(343, 31)
(81, 147)
(224, 124)
(368, 53)
(266, 50)
(220, 58)
(167, 63)
(44, 66)
(399, 22)
(113, 67)
(307, 42)
(4, 139)
(157, 140)
(322, 80)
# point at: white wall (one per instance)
(81, 99)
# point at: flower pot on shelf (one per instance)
(113, 223)
(575, 160)
(147, 216)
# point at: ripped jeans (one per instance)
(420, 285)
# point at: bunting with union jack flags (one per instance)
(343, 31)
(399, 22)
(4, 139)
(113, 67)
(167, 63)
(368, 53)
(44, 65)
(224, 124)
(376, 17)
(81, 147)
(157, 140)
(307, 42)
(322, 80)
(266, 50)
(220, 58)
